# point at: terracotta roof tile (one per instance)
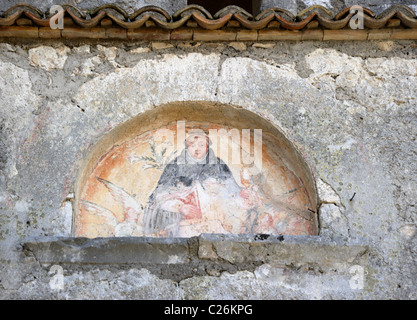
(196, 17)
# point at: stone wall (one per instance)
(348, 107)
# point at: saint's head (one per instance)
(197, 143)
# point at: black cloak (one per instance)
(184, 171)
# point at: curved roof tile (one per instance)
(199, 18)
(206, 21)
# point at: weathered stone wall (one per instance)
(349, 108)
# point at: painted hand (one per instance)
(245, 193)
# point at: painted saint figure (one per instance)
(195, 194)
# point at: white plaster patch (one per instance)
(21, 206)
(173, 259)
(329, 213)
(331, 61)
(327, 193)
(48, 58)
(392, 67)
(407, 230)
(343, 146)
(245, 82)
(128, 91)
(66, 213)
(109, 52)
(82, 49)
(140, 50)
(180, 78)
(88, 66)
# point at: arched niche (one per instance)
(119, 189)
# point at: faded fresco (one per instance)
(163, 184)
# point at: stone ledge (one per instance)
(294, 251)
(123, 250)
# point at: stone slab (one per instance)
(109, 250)
(294, 251)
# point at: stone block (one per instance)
(161, 45)
(149, 34)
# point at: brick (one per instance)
(83, 33)
(233, 24)
(68, 22)
(247, 35)
(182, 34)
(24, 22)
(149, 24)
(393, 23)
(270, 34)
(19, 32)
(98, 33)
(379, 34)
(345, 34)
(48, 33)
(404, 34)
(192, 24)
(313, 25)
(274, 24)
(313, 34)
(149, 34)
(116, 33)
(214, 35)
(106, 23)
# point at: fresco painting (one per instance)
(165, 184)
